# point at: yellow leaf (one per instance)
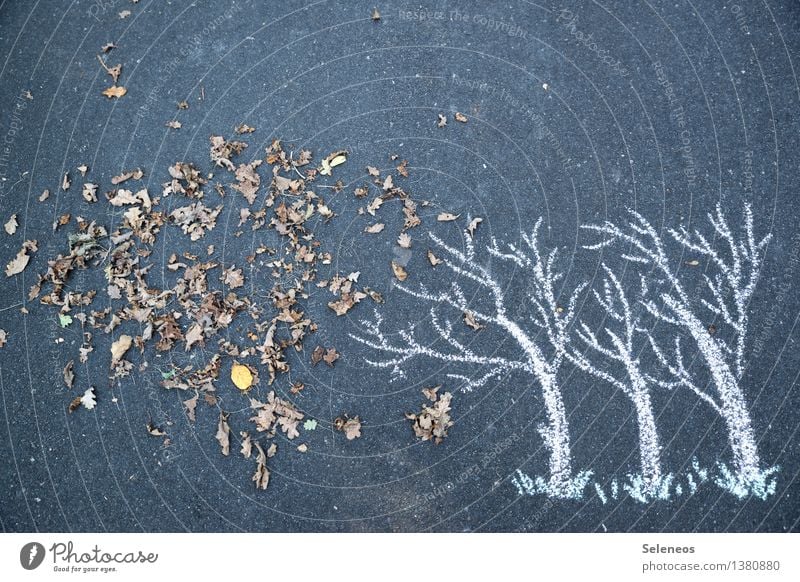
(115, 92)
(241, 376)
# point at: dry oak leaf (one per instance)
(153, 430)
(446, 217)
(190, 405)
(469, 319)
(241, 376)
(374, 228)
(69, 374)
(11, 225)
(399, 272)
(460, 117)
(88, 399)
(18, 263)
(329, 356)
(261, 476)
(119, 347)
(247, 444)
(473, 224)
(433, 421)
(332, 160)
(223, 434)
(433, 259)
(351, 427)
(115, 92)
(404, 240)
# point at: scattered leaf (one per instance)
(460, 117)
(374, 228)
(69, 374)
(223, 434)
(247, 444)
(190, 405)
(174, 124)
(88, 399)
(469, 319)
(399, 272)
(433, 421)
(376, 16)
(18, 263)
(404, 240)
(310, 424)
(302, 447)
(153, 430)
(351, 427)
(115, 92)
(433, 259)
(447, 217)
(473, 224)
(241, 376)
(3, 337)
(11, 225)
(332, 160)
(261, 476)
(120, 347)
(64, 320)
(442, 121)
(331, 355)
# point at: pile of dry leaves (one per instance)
(276, 192)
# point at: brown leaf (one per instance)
(460, 117)
(223, 434)
(154, 430)
(115, 92)
(247, 444)
(351, 427)
(11, 225)
(374, 228)
(119, 347)
(89, 192)
(316, 355)
(261, 476)
(399, 272)
(473, 224)
(433, 421)
(446, 217)
(174, 124)
(18, 263)
(69, 373)
(373, 171)
(433, 259)
(431, 393)
(469, 319)
(190, 405)
(331, 355)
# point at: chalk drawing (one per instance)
(547, 335)
(562, 481)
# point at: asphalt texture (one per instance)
(575, 112)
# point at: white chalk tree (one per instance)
(736, 267)
(617, 362)
(539, 359)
